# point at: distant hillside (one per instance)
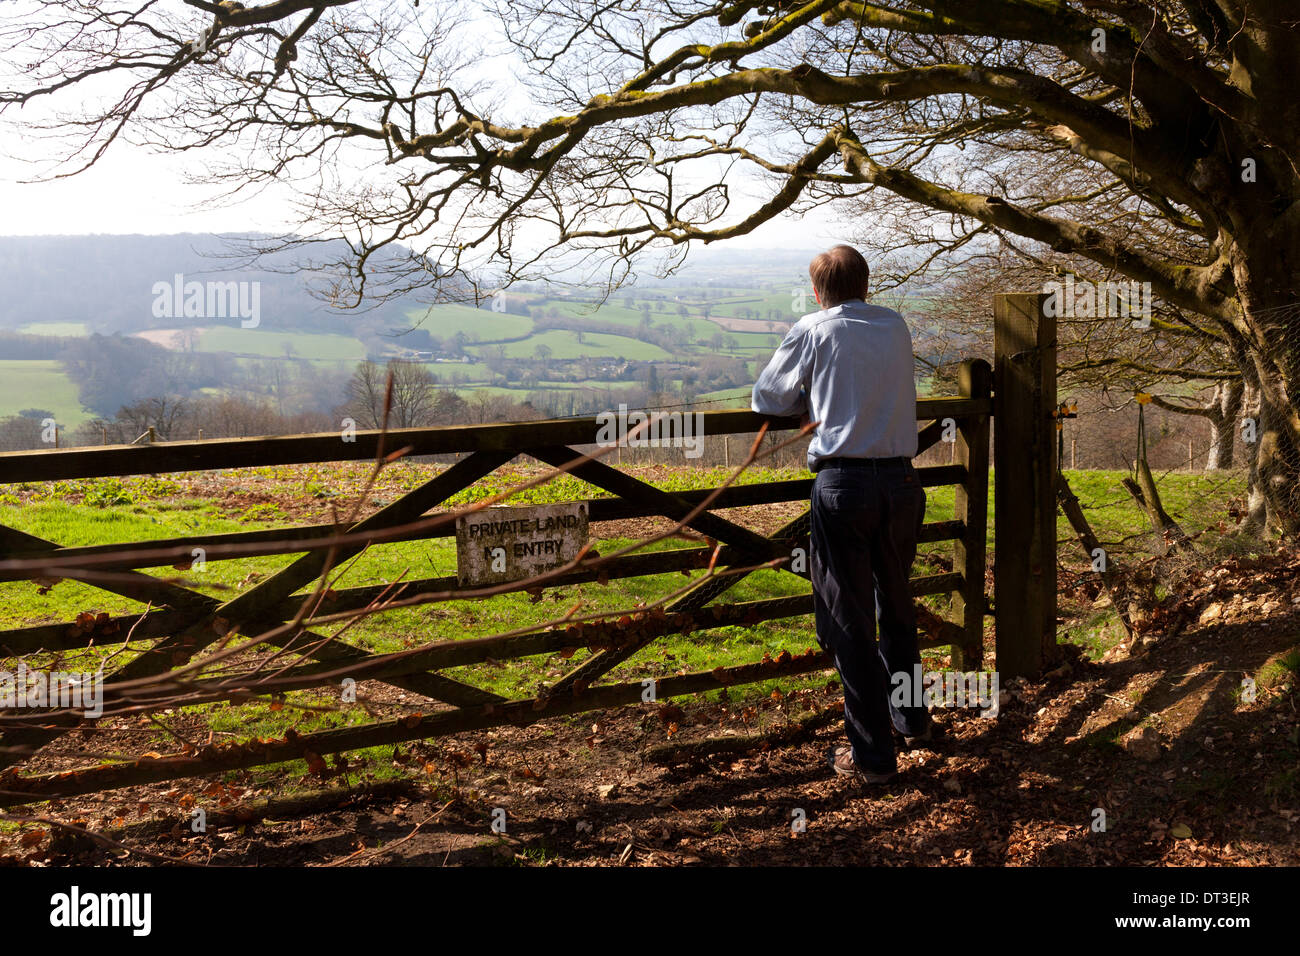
(95, 328)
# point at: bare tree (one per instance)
(162, 412)
(1110, 131)
(1173, 352)
(413, 394)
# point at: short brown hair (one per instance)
(839, 275)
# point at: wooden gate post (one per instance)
(1024, 484)
(970, 507)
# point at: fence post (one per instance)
(970, 506)
(1024, 483)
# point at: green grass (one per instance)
(264, 342)
(760, 304)
(521, 392)
(152, 508)
(40, 383)
(65, 329)
(747, 340)
(479, 324)
(564, 344)
(1195, 500)
(612, 311)
(141, 516)
(147, 509)
(75, 525)
(445, 372)
(1283, 669)
(723, 396)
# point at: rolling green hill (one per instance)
(38, 383)
(259, 341)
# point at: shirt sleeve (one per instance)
(782, 387)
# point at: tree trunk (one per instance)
(1168, 532)
(1256, 505)
(1272, 495)
(1225, 408)
(1277, 468)
(1265, 258)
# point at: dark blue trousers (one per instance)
(866, 515)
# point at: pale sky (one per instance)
(132, 190)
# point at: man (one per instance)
(849, 368)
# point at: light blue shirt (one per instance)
(851, 368)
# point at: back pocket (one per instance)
(847, 496)
(907, 506)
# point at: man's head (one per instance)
(839, 275)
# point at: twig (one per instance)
(429, 819)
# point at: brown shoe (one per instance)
(843, 763)
(923, 739)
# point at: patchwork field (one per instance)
(39, 383)
(565, 345)
(477, 324)
(260, 341)
(737, 322)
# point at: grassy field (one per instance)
(745, 341)
(729, 397)
(100, 511)
(484, 325)
(564, 345)
(520, 393)
(478, 324)
(447, 371)
(263, 342)
(176, 515)
(762, 305)
(40, 383)
(694, 322)
(25, 381)
(613, 310)
(148, 509)
(63, 329)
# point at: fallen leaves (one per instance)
(315, 764)
(87, 623)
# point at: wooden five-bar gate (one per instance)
(181, 623)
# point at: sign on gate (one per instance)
(496, 545)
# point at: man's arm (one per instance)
(782, 387)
